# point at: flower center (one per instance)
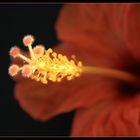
(129, 89)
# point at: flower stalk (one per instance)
(112, 73)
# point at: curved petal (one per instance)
(45, 101)
(95, 27)
(92, 43)
(132, 29)
(117, 117)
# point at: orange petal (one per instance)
(45, 101)
(96, 27)
(116, 117)
(132, 29)
(93, 42)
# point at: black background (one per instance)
(17, 20)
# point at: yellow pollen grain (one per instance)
(50, 66)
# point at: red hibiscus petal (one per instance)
(97, 27)
(132, 29)
(45, 101)
(92, 42)
(117, 117)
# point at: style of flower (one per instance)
(102, 35)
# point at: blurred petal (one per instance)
(95, 27)
(94, 34)
(132, 29)
(45, 101)
(117, 117)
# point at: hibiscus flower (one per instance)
(102, 35)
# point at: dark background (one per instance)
(16, 21)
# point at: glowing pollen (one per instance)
(45, 65)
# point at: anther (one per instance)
(50, 50)
(69, 77)
(80, 64)
(54, 54)
(44, 81)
